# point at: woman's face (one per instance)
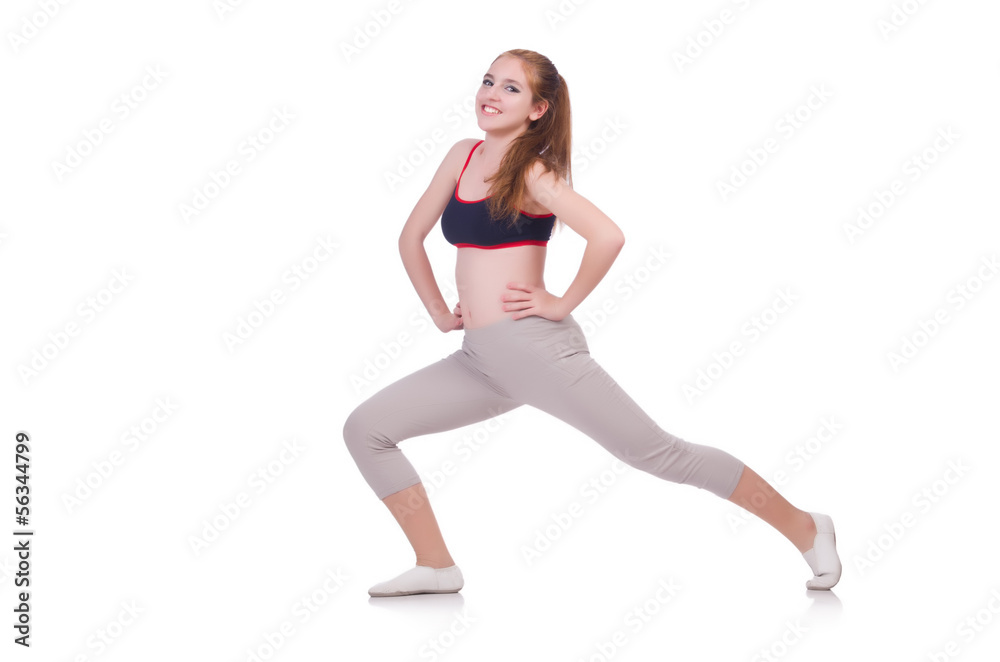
(505, 89)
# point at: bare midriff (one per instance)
(482, 274)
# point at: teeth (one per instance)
(490, 111)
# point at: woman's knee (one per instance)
(698, 465)
(361, 434)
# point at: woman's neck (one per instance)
(493, 149)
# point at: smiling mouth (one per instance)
(490, 110)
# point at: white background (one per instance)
(914, 566)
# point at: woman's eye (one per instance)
(489, 83)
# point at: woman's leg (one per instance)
(413, 512)
(755, 495)
(442, 396)
(566, 382)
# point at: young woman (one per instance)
(498, 199)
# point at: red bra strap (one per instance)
(459, 183)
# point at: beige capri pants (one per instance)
(528, 361)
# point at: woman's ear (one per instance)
(540, 108)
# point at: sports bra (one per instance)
(468, 223)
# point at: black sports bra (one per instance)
(468, 223)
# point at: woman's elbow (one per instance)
(609, 244)
(610, 240)
(613, 237)
(408, 241)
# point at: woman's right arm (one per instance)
(421, 221)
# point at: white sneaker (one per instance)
(421, 579)
(822, 557)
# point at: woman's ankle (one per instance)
(435, 561)
(803, 540)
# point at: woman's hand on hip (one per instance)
(524, 300)
(449, 321)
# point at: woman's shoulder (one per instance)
(466, 144)
(538, 182)
(453, 162)
(540, 173)
(461, 150)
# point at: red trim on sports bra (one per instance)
(472, 202)
(459, 182)
(526, 242)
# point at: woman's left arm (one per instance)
(604, 241)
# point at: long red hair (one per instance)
(548, 139)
